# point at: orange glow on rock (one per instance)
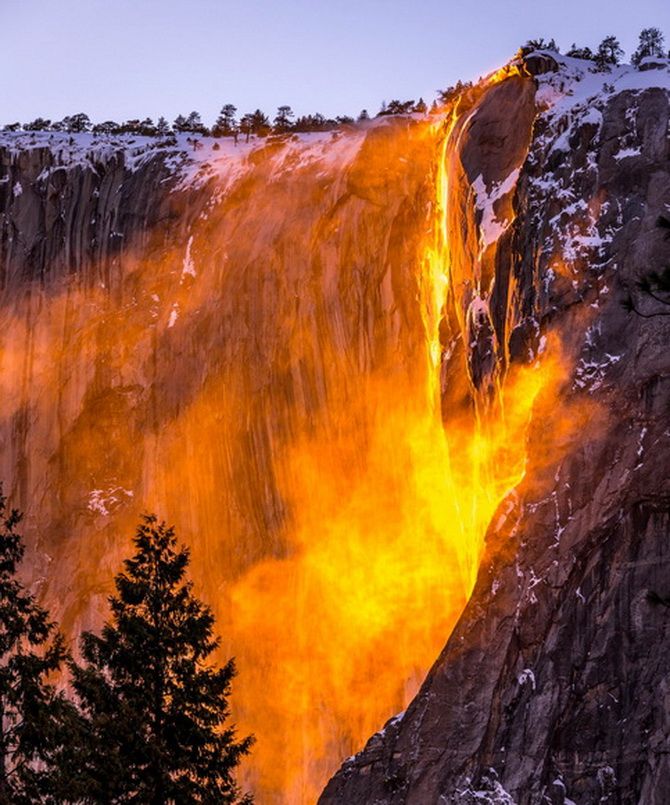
(390, 509)
(283, 404)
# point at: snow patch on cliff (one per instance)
(590, 373)
(192, 161)
(490, 791)
(526, 677)
(491, 228)
(104, 501)
(577, 86)
(565, 162)
(627, 152)
(188, 266)
(174, 315)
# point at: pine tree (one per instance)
(132, 126)
(225, 122)
(33, 716)
(108, 127)
(195, 125)
(445, 96)
(651, 43)
(609, 53)
(76, 124)
(260, 124)
(246, 125)
(580, 53)
(162, 127)
(283, 119)
(154, 708)
(39, 124)
(532, 45)
(396, 107)
(147, 128)
(180, 124)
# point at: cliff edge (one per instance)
(554, 686)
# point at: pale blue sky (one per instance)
(132, 58)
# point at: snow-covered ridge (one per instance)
(490, 227)
(577, 83)
(193, 160)
(568, 99)
(570, 96)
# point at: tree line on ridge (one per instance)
(608, 53)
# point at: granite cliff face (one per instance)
(335, 361)
(553, 687)
(236, 338)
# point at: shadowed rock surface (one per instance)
(554, 686)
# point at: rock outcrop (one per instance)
(553, 687)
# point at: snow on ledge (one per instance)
(105, 501)
(490, 228)
(192, 159)
(578, 83)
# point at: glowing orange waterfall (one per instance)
(390, 505)
(286, 381)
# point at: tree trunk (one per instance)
(5, 790)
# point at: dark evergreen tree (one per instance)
(225, 125)
(580, 53)
(246, 125)
(179, 124)
(192, 124)
(108, 127)
(447, 95)
(420, 107)
(609, 53)
(364, 115)
(532, 45)
(315, 122)
(33, 716)
(254, 123)
(195, 125)
(154, 708)
(162, 127)
(396, 107)
(145, 127)
(76, 124)
(651, 43)
(283, 120)
(260, 124)
(39, 124)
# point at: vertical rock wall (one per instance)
(553, 686)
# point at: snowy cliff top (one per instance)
(576, 83)
(572, 90)
(192, 159)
